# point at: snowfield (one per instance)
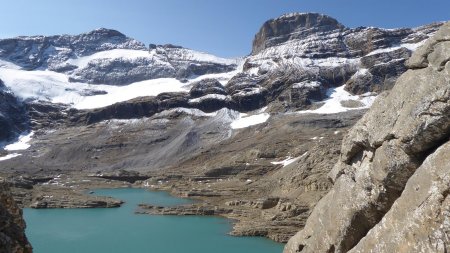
(123, 93)
(130, 54)
(9, 156)
(21, 144)
(337, 96)
(55, 87)
(244, 120)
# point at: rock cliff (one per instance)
(391, 185)
(12, 225)
(13, 115)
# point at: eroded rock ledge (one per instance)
(401, 142)
(12, 225)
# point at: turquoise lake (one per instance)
(119, 230)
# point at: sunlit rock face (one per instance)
(391, 185)
(12, 225)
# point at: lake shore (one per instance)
(117, 230)
(230, 198)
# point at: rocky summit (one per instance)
(255, 139)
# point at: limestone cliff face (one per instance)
(391, 183)
(12, 225)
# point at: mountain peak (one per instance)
(306, 15)
(105, 32)
(292, 26)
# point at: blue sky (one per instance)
(222, 27)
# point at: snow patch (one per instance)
(289, 160)
(56, 88)
(205, 57)
(223, 78)
(9, 156)
(249, 91)
(244, 120)
(117, 94)
(193, 112)
(130, 54)
(21, 144)
(9, 65)
(336, 96)
(306, 84)
(409, 46)
(209, 96)
(263, 109)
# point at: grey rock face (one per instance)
(53, 52)
(367, 59)
(378, 157)
(320, 36)
(205, 87)
(46, 115)
(12, 225)
(419, 221)
(291, 27)
(162, 62)
(50, 51)
(135, 108)
(378, 71)
(13, 115)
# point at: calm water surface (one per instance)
(119, 230)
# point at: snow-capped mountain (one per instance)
(256, 135)
(70, 69)
(309, 53)
(105, 56)
(300, 62)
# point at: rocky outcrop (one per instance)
(378, 71)
(46, 115)
(13, 116)
(71, 201)
(207, 87)
(183, 210)
(293, 26)
(135, 108)
(209, 95)
(419, 221)
(12, 225)
(123, 175)
(379, 156)
(319, 36)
